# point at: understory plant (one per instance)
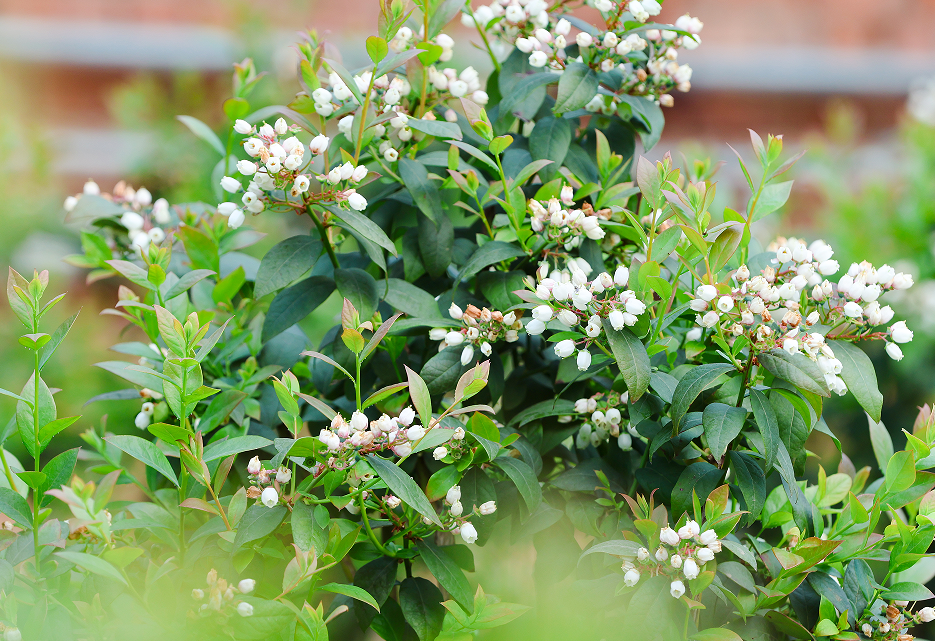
(526, 328)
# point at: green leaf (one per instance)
(616, 547)
(900, 472)
(352, 591)
(435, 244)
(93, 564)
(377, 48)
(257, 522)
(202, 250)
(285, 262)
(419, 393)
(576, 87)
(695, 381)
(442, 481)
(449, 575)
(360, 288)
(204, 132)
(267, 616)
(631, 357)
(701, 478)
(48, 431)
(363, 227)
(716, 634)
(220, 408)
(15, 507)
(723, 247)
(722, 423)
(229, 286)
(549, 141)
(749, 477)
(476, 153)
(797, 369)
(236, 445)
(145, 451)
(525, 98)
(437, 128)
(442, 371)
(57, 337)
(420, 602)
(772, 198)
(907, 591)
(307, 532)
(492, 252)
(882, 444)
(543, 409)
(524, 479)
(378, 578)
(57, 473)
(134, 273)
(767, 423)
(186, 282)
(424, 191)
(26, 416)
(410, 299)
(402, 485)
(293, 304)
(859, 376)
(137, 377)
(441, 14)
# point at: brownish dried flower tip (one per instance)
(892, 612)
(253, 492)
(472, 311)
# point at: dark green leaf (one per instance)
(493, 252)
(410, 299)
(524, 479)
(363, 227)
(576, 87)
(57, 473)
(695, 381)
(437, 128)
(236, 445)
(549, 141)
(402, 485)
(701, 478)
(360, 288)
(15, 507)
(435, 243)
(423, 189)
(420, 602)
(442, 371)
(145, 451)
(859, 376)
(768, 425)
(257, 522)
(722, 423)
(293, 304)
(749, 477)
(796, 369)
(447, 572)
(285, 262)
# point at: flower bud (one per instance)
(244, 609)
(453, 495)
(468, 533)
(487, 508)
(246, 586)
(254, 466)
(676, 589)
(270, 497)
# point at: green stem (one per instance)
(506, 196)
(363, 117)
(370, 533)
(6, 469)
(746, 378)
(357, 383)
(35, 493)
(322, 232)
(483, 36)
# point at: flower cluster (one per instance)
(565, 226)
(280, 163)
(265, 483)
(394, 97)
(220, 594)
(792, 305)
(458, 522)
(481, 328)
(646, 63)
(11, 633)
(893, 621)
(345, 439)
(680, 555)
(569, 300)
(145, 221)
(603, 417)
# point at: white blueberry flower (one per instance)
(538, 59)
(900, 333)
(456, 509)
(91, 189)
(453, 495)
(676, 588)
(706, 292)
(440, 452)
(893, 351)
(690, 569)
(468, 533)
(270, 497)
(415, 433)
(132, 221)
(246, 586)
(467, 354)
(631, 578)
(583, 360)
(927, 614)
(406, 416)
(704, 555)
(487, 508)
(566, 348)
(669, 536)
(357, 202)
(392, 502)
(236, 219)
(661, 554)
(231, 185)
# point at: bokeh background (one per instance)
(90, 89)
